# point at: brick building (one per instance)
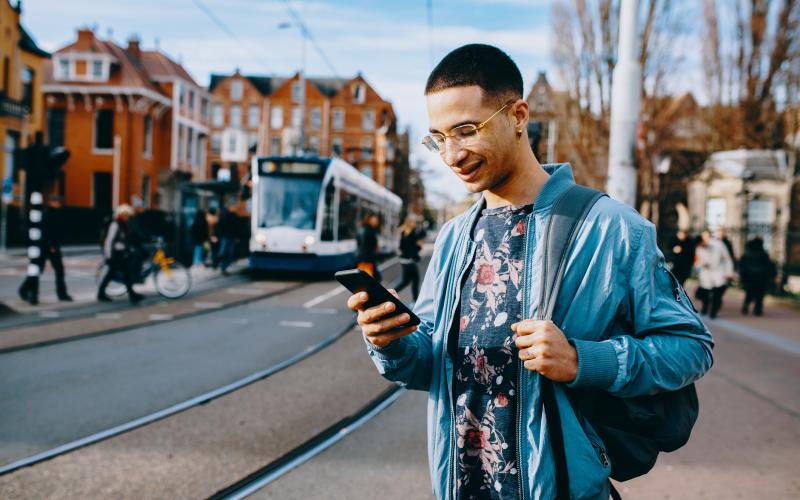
(343, 117)
(21, 103)
(134, 121)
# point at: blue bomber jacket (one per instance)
(632, 325)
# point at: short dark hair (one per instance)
(486, 66)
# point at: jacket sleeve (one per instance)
(668, 346)
(409, 360)
(108, 244)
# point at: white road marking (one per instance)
(759, 336)
(323, 310)
(160, 317)
(298, 324)
(340, 289)
(108, 315)
(244, 291)
(50, 314)
(207, 305)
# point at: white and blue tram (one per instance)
(306, 211)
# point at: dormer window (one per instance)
(236, 90)
(64, 68)
(97, 69)
(359, 93)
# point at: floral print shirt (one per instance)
(485, 361)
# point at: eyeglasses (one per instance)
(465, 135)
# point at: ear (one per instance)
(520, 114)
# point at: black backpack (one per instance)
(633, 430)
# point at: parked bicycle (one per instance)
(171, 278)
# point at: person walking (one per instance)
(117, 252)
(227, 229)
(213, 219)
(52, 227)
(757, 273)
(714, 271)
(200, 235)
(682, 258)
(410, 245)
(367, 248)
(620, 329)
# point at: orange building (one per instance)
(134, 122)
(262, 115)
(21, 101)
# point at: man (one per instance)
(621, 323)
(228, 231)
(367, 248)
(682, 256)
(52, 236)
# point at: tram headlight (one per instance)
(309, 241)
(261, 239)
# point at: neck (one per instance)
(522, 186)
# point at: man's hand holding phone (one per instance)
(379, 324)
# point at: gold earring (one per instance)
(519, 134)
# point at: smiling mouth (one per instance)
(469, 171)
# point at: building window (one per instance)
(181, 95)
(760, 220)
(204, 108)
(316, 118)
(236, 116)
(104, 129)
(252, 140)
(218, 118)
(297, 92)
(368, 120)
(181, 145)
(275, 146)
(27, 87)
(97, 69)
(148, 135)
(336, 145)
(367, 170)
(64, 68)
(313, 145)
(216, 142)
(276, 117)
(366, 148)
(190, 145)
(338, 119)
(146, 191)
(236, 90)
(715, 213)
(231, 144)
(253, 116)
(296, 117)
(388, 174)
(190, 104)
(55, 126)
(359, 93)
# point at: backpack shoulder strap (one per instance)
(568, 213)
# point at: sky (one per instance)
(389, 42)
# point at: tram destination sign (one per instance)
(291, 167)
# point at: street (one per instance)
(191, 403)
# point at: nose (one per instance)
(453, 153)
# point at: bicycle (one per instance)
(172, 279)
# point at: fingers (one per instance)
(357, 300)
(394, 292)
(385, 325)
(529, 326)
(383, 339)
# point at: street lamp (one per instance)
(303, 34)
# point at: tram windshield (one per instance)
(289, 201)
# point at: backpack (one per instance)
(633, 430)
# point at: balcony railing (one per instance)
(12, 107)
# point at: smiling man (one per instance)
(621, 325)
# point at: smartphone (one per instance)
(358, 281)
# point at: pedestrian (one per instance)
(757, 273)
(227, 229)
(619, 328)
(714, 271)
(52, 227)
(213, 241)
(199, 233)
(682, 258)
(720, 235)
(117, 251)
(410, 245)
(367, 247)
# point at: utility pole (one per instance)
(625, 92)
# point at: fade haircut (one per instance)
(486, 66)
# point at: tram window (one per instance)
(348, 213)
(289, 202)
(328, 212)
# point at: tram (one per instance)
(306, 212)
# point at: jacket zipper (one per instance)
(520, 365)
(451, 485)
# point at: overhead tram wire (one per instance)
(298, 19)
(224, 27)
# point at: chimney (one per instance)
(85, 39)
(133, 47)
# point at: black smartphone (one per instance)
(358, 281)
